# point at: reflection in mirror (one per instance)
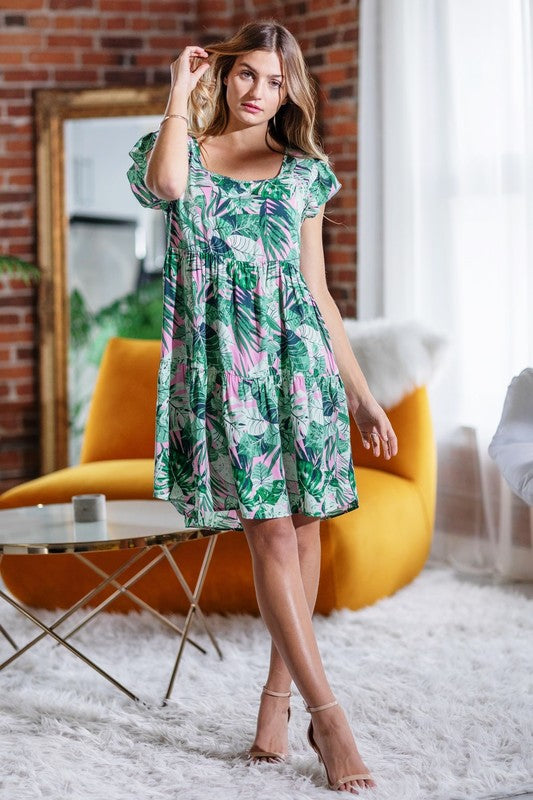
(115, 251)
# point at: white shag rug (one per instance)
(436, 681)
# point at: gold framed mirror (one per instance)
(54, 110)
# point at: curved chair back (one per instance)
(121, 420)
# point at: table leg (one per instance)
(2, 629)
(73, 650)
(8, 637)
(71, 610)
(193, 600)
(123, 589)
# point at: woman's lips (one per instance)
(251, 108)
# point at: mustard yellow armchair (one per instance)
(367, 553)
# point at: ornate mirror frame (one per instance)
(52, 108)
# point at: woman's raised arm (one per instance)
(168, 165)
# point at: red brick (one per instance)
(20, 179)
(70, 41)
(143, 23)
(12, 128)
(38, 21)
(24, 371)
(116, 23)
(121, 5)
(150, 60)
(122, 42)
(22, 5)
(21, 249)
(89, 23)
(9, 319)
(10, 57)
(22, 109)
(163, 43)
(176, 8)
(53, 57)
(345, 16)
(100, 58)
(25, 389)
(344, 56)
(24, 353)
(23, 145)
(14, 230)
(26, 75)
(13, 94)
(10, 458)
(15, 39)
(87, 77)
(59, 4)
(126, 77)
(11, 162)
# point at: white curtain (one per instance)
(445, 230)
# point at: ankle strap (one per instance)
(321, 708)
(276, 694)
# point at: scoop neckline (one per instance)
(238, 180)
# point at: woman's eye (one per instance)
(246, 72)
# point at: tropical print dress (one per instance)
(251, 409)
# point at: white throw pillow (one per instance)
(395, 357)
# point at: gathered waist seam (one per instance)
(207, 251)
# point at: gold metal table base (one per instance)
(193, 598)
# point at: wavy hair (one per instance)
(294, 124)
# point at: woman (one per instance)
(257, 373)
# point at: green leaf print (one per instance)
(242, 274)
(310, 478)
(315, 437)
(297, 352)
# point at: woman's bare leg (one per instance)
(271, 733)
(283, 605)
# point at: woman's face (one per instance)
(256, 78)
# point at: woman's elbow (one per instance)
(166, 189)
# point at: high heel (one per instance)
(311, 740)
(256, 755)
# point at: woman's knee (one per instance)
(307, 530)
(275, 537)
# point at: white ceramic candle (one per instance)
(89, 507)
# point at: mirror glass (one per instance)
(115, 251)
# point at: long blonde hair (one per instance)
(293, 126)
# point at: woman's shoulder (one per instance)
(299, 154)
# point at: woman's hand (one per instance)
(182, 76)
(374, 426)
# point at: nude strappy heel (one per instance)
(310, 737)
(261, 755)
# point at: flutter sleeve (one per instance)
(137, 173)
(323, 184)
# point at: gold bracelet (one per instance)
(168, 116)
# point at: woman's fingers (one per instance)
(386, 439)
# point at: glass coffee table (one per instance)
(151, 525)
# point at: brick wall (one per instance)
(69, 43)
